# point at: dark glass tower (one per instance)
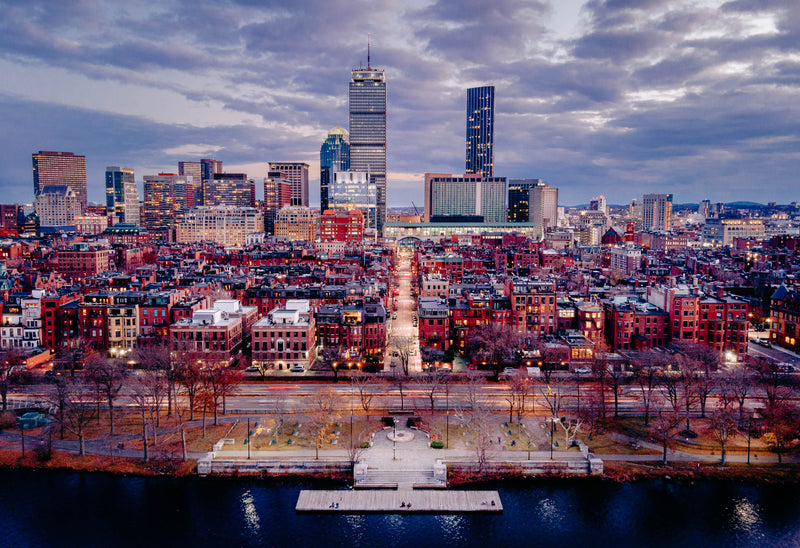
(334, 155)
(480, 131)
(368, 130)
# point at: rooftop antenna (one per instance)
(368, 67)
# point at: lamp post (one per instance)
(394, 438)
(552, 426)
(352, 395)
(749, 428)
(447, 415)
(248, 438)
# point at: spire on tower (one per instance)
(368, 67)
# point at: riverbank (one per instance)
(614, 471)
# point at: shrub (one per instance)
(364, 445)
(437, 445)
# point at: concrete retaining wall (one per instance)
(566, 467)
(210, 466)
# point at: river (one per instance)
(42, 509)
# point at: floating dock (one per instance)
(402, 501)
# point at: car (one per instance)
(297, 369)
(394, 316)
(251, 369)
(583, 370)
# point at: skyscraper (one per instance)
(334, 155)
(231, 189)
(195, 171)
(544, 208)
(277, 195)
(657, 211)
(208, 168)
(519, 199)
(122, 198)
(165, 196)
(297, 175)
(60, 168)
(480, 131)
(368, 130)
(533, 201)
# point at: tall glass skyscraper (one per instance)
(334, 155)
(368, 131)
(122, 198)
(480, 131)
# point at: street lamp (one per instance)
(394, 438)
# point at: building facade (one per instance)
(284, 338)
(296, 173)
(165, 196)
(60, 168)
(354, 190)
(470, 198)
(334, 155)
(657, 212)
(480, 131)
(367, 99)
(297, 224)
(224, 225)
(57, 205)
(122, 197)
(336, 226)
(277, 195)
(229, 189)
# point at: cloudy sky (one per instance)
(617, 97)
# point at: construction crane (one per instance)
(416, 211)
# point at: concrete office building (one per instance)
(60, 168)
(467, 198)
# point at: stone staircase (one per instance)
(399, 479)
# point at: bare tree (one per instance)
(323, 414)
(645, 374)
(783, 423)
(280, 408)
(148, 391)
(699, 362)
(770, 379)
(555, 396)
(366, 386)
(432, 385)
(740, 382)
(77, 409)
(494, 344)
(108, 377)
(189, 378)
(571, 428)
(723, 426)
(664, 424)
(159, 357)
(399, 380)
(12, 364)
(401, 348)
(329, 357)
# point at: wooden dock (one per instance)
(403, 501)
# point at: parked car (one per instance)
(297, 369)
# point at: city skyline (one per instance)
(695, 99)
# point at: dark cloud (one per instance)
(651, 96)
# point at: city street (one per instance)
(403, 324)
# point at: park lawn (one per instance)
(604, 444)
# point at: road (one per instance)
(403, 324)
(298, 397)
